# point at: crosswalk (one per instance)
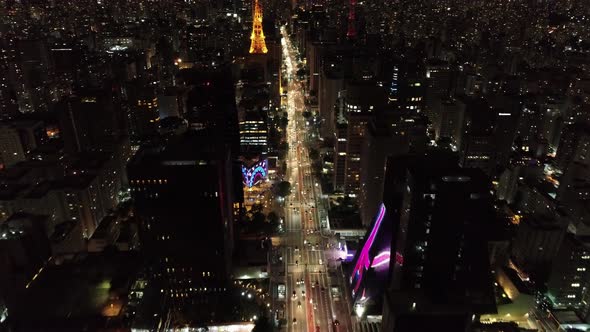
(310, 257)
(367, 327)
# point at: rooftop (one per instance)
(82, 287)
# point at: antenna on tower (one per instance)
(351, 33)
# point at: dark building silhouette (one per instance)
(440, 274)
(89, 120)
(184, 198)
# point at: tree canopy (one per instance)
(284, 188)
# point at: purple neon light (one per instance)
(381, 259)
(364, 261)
(252, 175)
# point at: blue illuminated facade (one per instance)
(251, 176)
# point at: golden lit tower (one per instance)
(257, 46)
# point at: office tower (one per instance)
(412, 89)
(441, 273)
(88, 121)
(438, 84)
(449, 122)
(573, 159)
(170, 103)
(536, 244)
(401, 133)
(574, 146)
(314, 54)
(508, 184)
(34, 61)
(362, 101)
(507, 116)
(184, 197)
(552, 121)
(253, 132)
(211, 104)
(568, 286)
(528, 129)
(340, 146)
(438, 79)
(330, 83)
(9, 72)
(434, 218)
(143, 117)
(477, 149)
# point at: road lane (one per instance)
(305, 254)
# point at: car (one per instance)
(299, 304)
(335, 325)
(303, 293)
(294, 321)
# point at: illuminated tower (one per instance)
(351, 33)
(257, 46)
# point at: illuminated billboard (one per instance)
(254, 174)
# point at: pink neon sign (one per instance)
(381, 260)
(364, 261)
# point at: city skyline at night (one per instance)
(294, 165)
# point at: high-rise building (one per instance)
(477, 149)
(253, 132)
(507, 116)
(449, 122)
(412, 88)
(440, 267)
(169, 103)
(84, 195)
(427, 244)
(574, 146)
(184, 198)
(18, 139)
(341, 133)
(88, 121)
(361, 102)
(330, 83)
(143, 117)
(569, 283)
(211, 104)
(536, 244)
(438, 84)
(403, 133)
(34, 61)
